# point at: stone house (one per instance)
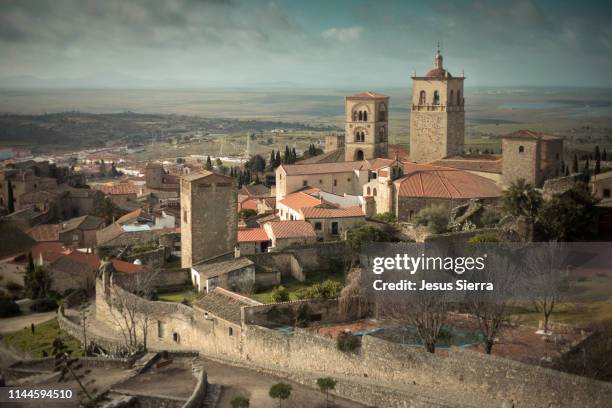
(81, 231)
(226, 272)
(601, 186)
(332, 223)
(286, 233)
(120, 194)
(253, 241)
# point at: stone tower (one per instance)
(208, 217)
(437, 119)
(154, 175)
(367, 126)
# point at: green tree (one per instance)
(209, 165)
(277, 159)
(387, 217)
(240, 402)
(280, 294)
(247, 213)
(326, 384)
(280, 391)
(356, 237)
(575, 164)
(597, 160)
(522, 199)
(566, 216)
(37, 281)
(106, 209)
(435, 217)
(287, 155)
(10, 199)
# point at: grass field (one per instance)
(293, 286)
(41, 341)
(186, 294)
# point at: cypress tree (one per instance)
(597, 160)
(10, 205)
(209, 165)
(575, 164)
(293, 155)
(277, 160)
(604, 155)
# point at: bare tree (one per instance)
(492, 309)
(547, 268)
(127, 296)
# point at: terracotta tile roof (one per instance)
(45, 232)
(368, 94)
(49, 251)
(377, 163)
(129, 217)
(299, 200)
(530, 134)
(257, 190)
(85, 222)
(224, 304)
(437, 73)
(248, 204)
(252, 235)
(120, 189)
(318, 212)
(81, 257)
(212, 269)
(323, 168)
(333, 156)
(291, 229)
(126, 267)
(440, 182)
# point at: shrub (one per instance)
(365, 233)
(347, 342)
(489, 217)
(302, 316)
(9, 308)
(435, 217)
(14, 286)
(240, 402)
(483, 239)
(280, 294)
(387, 217)
(46, 304)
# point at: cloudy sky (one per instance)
(309, 43)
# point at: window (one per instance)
(360, 116)
(184, 215)
(436, 100)
(230, 331)
(176, 337)
(304, 183)
(422, 98)
(450, 100)
(459, 100)
(359, 136)
(320, 181)
(606, 193)
(160, 329)
(365, 116)
(335, 182)
(358, 157)
(374, 175)
(75, 237)
(334, 228)
(381, 134)
(348, 180)
(521, 149)
(374, 192)
(318, 226)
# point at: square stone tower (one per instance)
(209, 217)
(437, 118)
(367, 126)
(533, 156)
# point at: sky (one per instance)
(313, 43)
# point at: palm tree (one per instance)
(522, 199)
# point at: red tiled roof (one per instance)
(130, 216)
(90, 259)
(291, 229)
(437, 73)
(252, 235)
(441, 182)
(45, 232)
(323, 168)
(299, 200)
(50, 251)
(126, 267)
(120, 189)
(318, 212)
(377, 163)
(248, 204)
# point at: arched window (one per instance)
(355, 116)
(521, 149)
(365, 116)
(374, 192)
(360, 115)
(450, 100)
(381, 134)
(369, 191)
(436, 100)
(459, 101)
(382, 113)
(422, 98)
(359, 136)
(359, 157)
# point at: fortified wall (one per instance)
(380, 373)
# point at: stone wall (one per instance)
(199, 393)
(318, 310)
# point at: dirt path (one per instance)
(13, 324)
